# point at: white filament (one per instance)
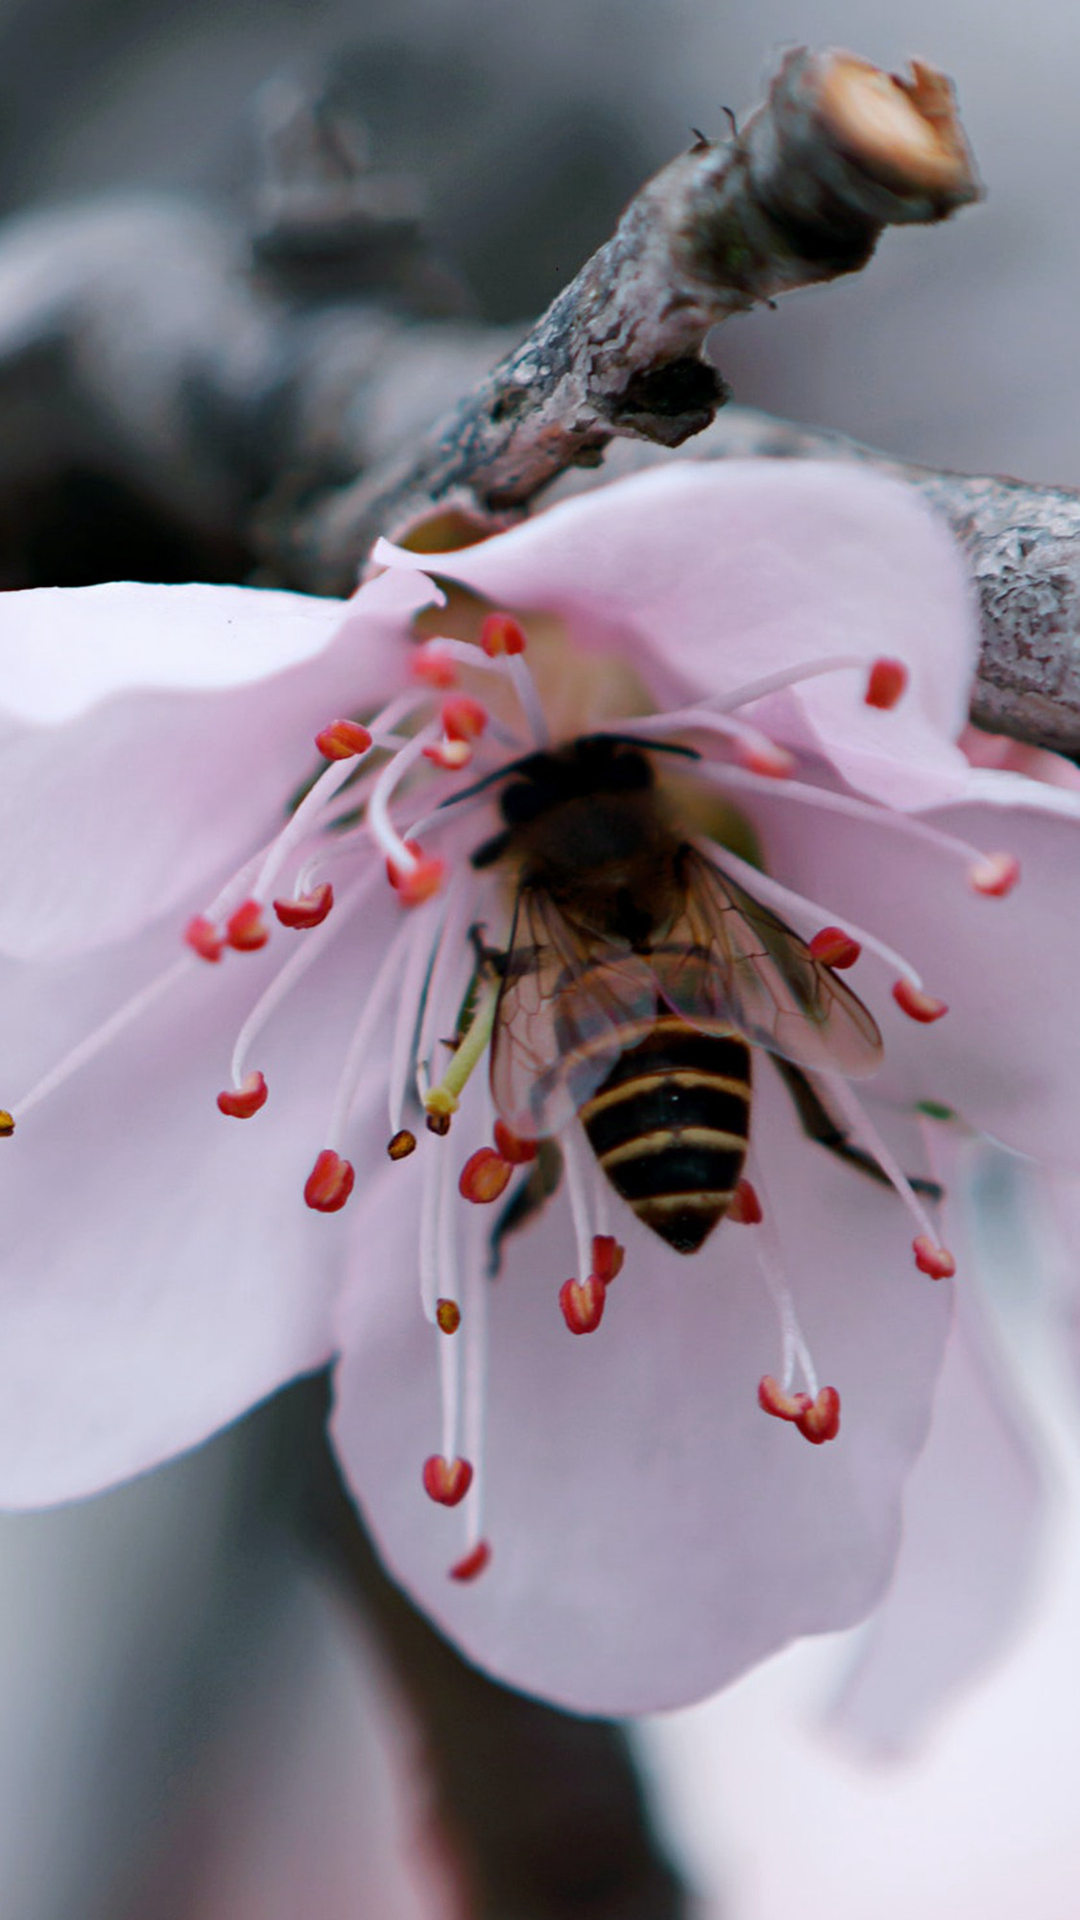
(771, 894)
(314, 943)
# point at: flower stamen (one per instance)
(474, 1362)
(745, 1209)
(291, 972)
(245, 929)
(974, 861)
(937, 1262)
(930, 1257)
(607, 1257)
(754, 750)
(484, 1176)
(447, 1481)
(582, 1303)
(102, 1036)
(883, 675)
(772, 894)
(241, 1102)
(472, 1563)
(306, 910)
(343, 740)
(329, 1183)
(403, 861)
(203, 938)
(995, 875)
(815, 1412)
(356, 1057)
(443, 1099)
(920, 1006)
(817, 1418)
(886, 685)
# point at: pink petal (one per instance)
(1007, 1054)
(653, 1532)
(1017, 756)
(158, 734)
(972, 1509)
(705, 577)
(161, 1270)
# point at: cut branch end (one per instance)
(903, 131)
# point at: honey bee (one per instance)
(638, 979)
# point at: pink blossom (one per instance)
(638, 1528)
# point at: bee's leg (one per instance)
(541, 1180)
(490, 961)
(821, 1125)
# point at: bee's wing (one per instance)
(729, 957)
(562, 1018)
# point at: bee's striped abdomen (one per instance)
(669, 1126)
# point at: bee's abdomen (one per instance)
(669, 1126)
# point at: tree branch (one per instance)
(838, 151)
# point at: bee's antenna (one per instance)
(651, 746)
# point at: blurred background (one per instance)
(191, 1725)
(528, 129)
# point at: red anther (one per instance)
(462, 718)
(433, 666)
(246, 930)
(821, 1421)
(308, 909)
(393, 873)
(607, 1258)
(203, 938)
(448, 1315)
(745, 1209)
(417, 883)
(783, 1406)
(513, 1146)
(401, 1144)
(447, 1481)
(817, 1419)
(425, 879)
(329, 1183)
(484, 1176)
(501, 633)
(242, 1101)
(835, 948)
(933, 1260)
(888, 681)
(916, 1004)
(451, 755)
(343, 740)
(765, 757)
(583, 1303)
(996, 875)
(473, 1563)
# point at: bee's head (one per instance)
(593, 767)
(598, 766)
